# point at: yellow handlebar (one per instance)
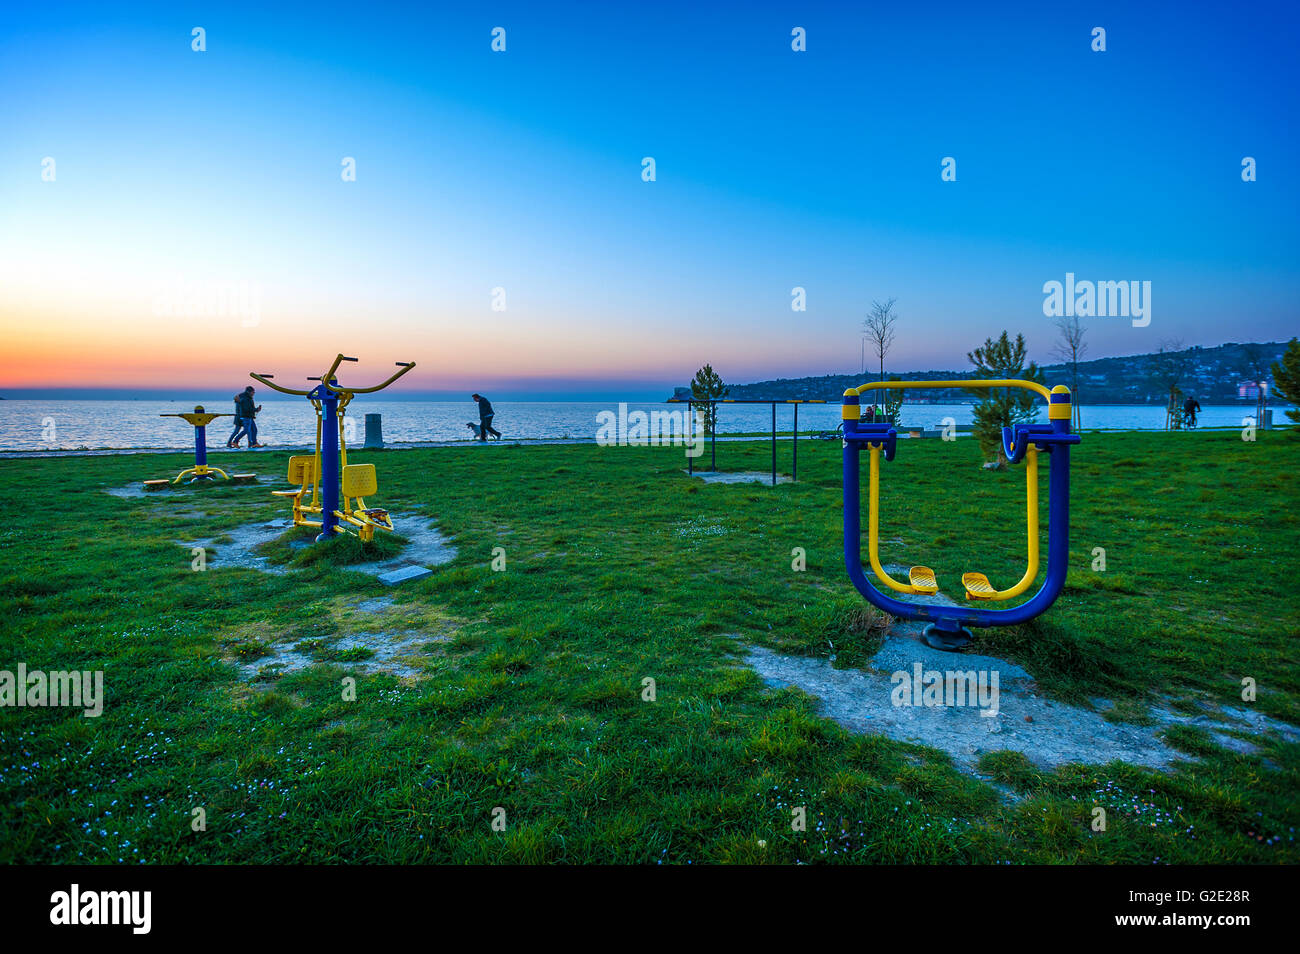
(328, 376)
(265, 379)
(404, 365)
(999, 383)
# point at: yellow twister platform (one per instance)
(200, 470)
(978, 586)
(923, 580)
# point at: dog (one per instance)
(478, 431)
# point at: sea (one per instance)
(46, 425)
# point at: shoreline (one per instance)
(16, 454)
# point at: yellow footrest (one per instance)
(977, 586)
(922, 579)
(157, 484)
(371, 516)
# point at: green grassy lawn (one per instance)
(620, 567)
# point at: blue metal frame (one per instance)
(1054, 438)
(201, 446)
(329, 459)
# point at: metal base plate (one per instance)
(946, 639)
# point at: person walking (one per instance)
(247, 412)
(485, 415)
(240, 431)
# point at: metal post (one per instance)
(713, 436)
(773, 443)
(690, 423)
(794, 464)
(200, 446)
(374, 432)
(329, 461)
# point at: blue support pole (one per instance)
(200, 445)
(329, 460)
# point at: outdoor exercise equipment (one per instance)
(327, 472)
(947, 629)
(201, 470)
(713, 434)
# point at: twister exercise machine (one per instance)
(947, 629)
(320, 473)
(201, 471)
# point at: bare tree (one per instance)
(1168, 368)
(878, 329)
(1169, 363)
(1069, 348)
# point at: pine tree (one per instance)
(708, 386)
(893, 398)
(1002, 407)
(1286, 377)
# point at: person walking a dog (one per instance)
(485, 415)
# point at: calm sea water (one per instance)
(72, 425)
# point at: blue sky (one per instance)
(522, 170)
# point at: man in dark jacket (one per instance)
(1191, 407)
(247, 415)
(485, 415)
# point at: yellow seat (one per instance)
(978, 586)
(359, 480)
(923, 580)
(302, 471)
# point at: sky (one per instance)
(500, 232)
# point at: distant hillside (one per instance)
(1213, 375)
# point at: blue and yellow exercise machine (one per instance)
(327, 472)
(947, 628)
(202, 471)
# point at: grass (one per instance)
(621, 568)
(342, 551)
